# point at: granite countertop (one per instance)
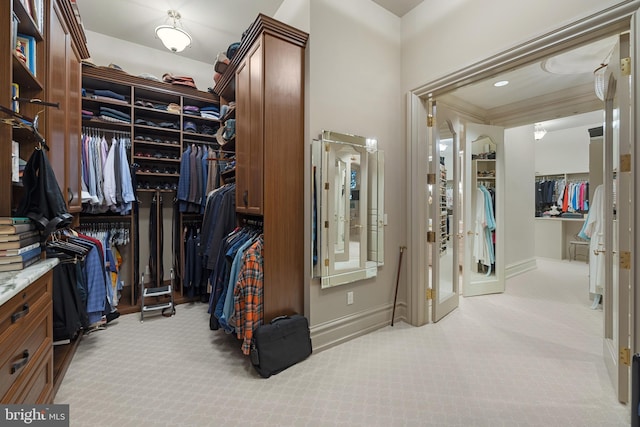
(12, 282)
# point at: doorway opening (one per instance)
(424, 106)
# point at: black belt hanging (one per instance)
(136, 237)
(153, 238)
(176, 239)
(160, 244)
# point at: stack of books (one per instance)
(19, 243)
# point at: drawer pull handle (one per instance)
(19, 314)
(21, 363)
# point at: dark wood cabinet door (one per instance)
(57, 83)
(250, 133)
(74, 171)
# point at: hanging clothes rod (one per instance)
(88, 129)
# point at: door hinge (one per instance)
(625, 260)
(326, 262)
(625, 66)
(430, 293)
(431, 236)
(625, 163)
(625, 356)
(430, 121)
(326, 224)
(326, 185)
(431, 178)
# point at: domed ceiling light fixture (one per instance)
(173, 38)
(538, 131)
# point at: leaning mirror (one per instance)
(348, 176)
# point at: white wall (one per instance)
(295, 13)
(563, 151)
(519, 195)
(354, 87)
(136, 59)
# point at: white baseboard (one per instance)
(520, 267)
(346, 328)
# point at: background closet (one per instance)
(162, 123)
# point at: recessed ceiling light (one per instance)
(501, 83)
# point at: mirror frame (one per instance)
(370, 217)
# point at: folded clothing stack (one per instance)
(191, 110)
(179, 80)
(210, 112)
(112, 114)
(108, 95)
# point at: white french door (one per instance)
(443, 143)
(485, 174)
(613, 255)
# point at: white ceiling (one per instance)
(215, 24)
(398, 7)
(561, 86)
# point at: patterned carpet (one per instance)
(529, 357)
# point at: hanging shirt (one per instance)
(248, 294)
(593, 230)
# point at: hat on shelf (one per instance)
(190, 126)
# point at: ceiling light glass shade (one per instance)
(173, 38)
(538, 131)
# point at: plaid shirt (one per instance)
(247, 295)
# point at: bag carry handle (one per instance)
(275, 319)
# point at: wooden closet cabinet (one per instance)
(26, 334)
(269, 94)
(66, 49)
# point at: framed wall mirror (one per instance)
(348, 200)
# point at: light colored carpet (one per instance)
(529, 357)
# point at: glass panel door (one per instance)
(444, 168)
(484, 210)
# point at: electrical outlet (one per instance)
(349, 297)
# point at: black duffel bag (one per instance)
(43, 201)
(279, 344)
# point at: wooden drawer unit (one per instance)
(19, 309)
(26, 359)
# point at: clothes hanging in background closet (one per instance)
(81, 284)
(218, 221)
(111, 236)
(485, 224)
(195, 276)
(192, 184)
(571, 196)
(106, 175)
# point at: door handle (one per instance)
(245, 197)
(470, 233)
(602, 251)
